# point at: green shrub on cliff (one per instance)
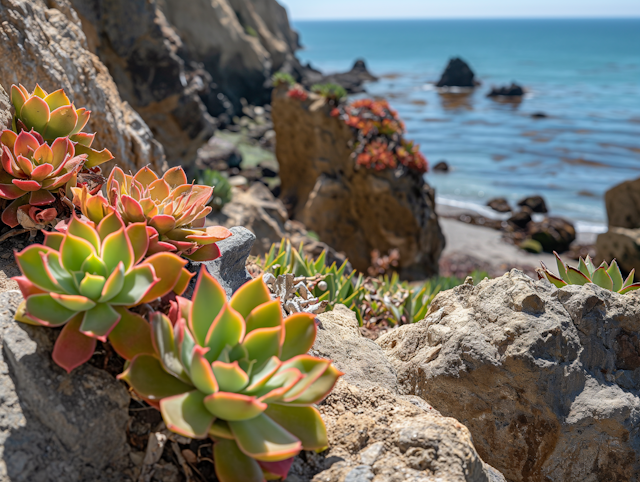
(332, 92)
(282, 78)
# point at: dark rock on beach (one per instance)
(513, 90)
(499, 204)
(539, 115)
(457, 74)
(535, 203)
(520, 219)
(554, 234)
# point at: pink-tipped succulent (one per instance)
(54, 116)
(86, 279)
(237, 372)
(605, 276)
(174, 210)
(32, 172)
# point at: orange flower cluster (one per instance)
(298, 93)
(380, 144)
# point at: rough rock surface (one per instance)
(53, 425)
(547, 380)
(48, 46)
(623, 204)
(141, 50)
(376, 436)
(229, 269)
(363, 362)
(239, 42)
(353, 210)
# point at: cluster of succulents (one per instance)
(174, 210)
(298, 93)
(332, 92)
(112, 269)
(43, 157)
(334, 284)
(606, 276)
(237, 371)
(380, 142)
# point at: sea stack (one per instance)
(457, 74)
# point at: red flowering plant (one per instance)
(380, 142)
(298, 93)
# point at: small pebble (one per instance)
(6, 256)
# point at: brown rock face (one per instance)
(355, 211)
(240, 42)
(547, 380)
(623, 205)
(48, 46)
(140, 49)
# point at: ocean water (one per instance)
(583, 74)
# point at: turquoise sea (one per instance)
(583, 74)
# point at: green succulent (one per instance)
(283, 78)
(332, 284)
(220, 184)
(606, 276)
(330, 91)
(237, 372)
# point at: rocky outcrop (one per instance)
(352, 80)
(547, 380)
(457, 74)
(513, 90)
(622, 240)
(353, 210)
(377, 436)
(56, 426)
(47, 45)
(241, 43)
(142, 52)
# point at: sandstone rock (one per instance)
(457, 74)
(353, 210)
(547, 380)
(376, 436)
(363, 362)
(56, 426)
(620, 244)
(141, 50)
(240, 42)
(229, 269)
(48, 46)
(623, 205)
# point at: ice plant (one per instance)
(174, 210)
(32, 172)
(606, 276)
(86, 279)
(237, 372)
(379, 136)
(298, 93)
(54, 116)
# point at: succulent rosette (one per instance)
(237, 372)
(31, 174)
(54, 116)
(86, 279)
(174, 210)
(606, 276)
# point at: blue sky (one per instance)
(383, 9)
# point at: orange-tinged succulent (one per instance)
(174, 210)
(31, 174)
(54, 116)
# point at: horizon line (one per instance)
(406, 19)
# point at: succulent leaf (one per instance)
(601, 278)
(232, 465)
(263, 439)
(186, 414)
(616, 276)
(72, 348)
